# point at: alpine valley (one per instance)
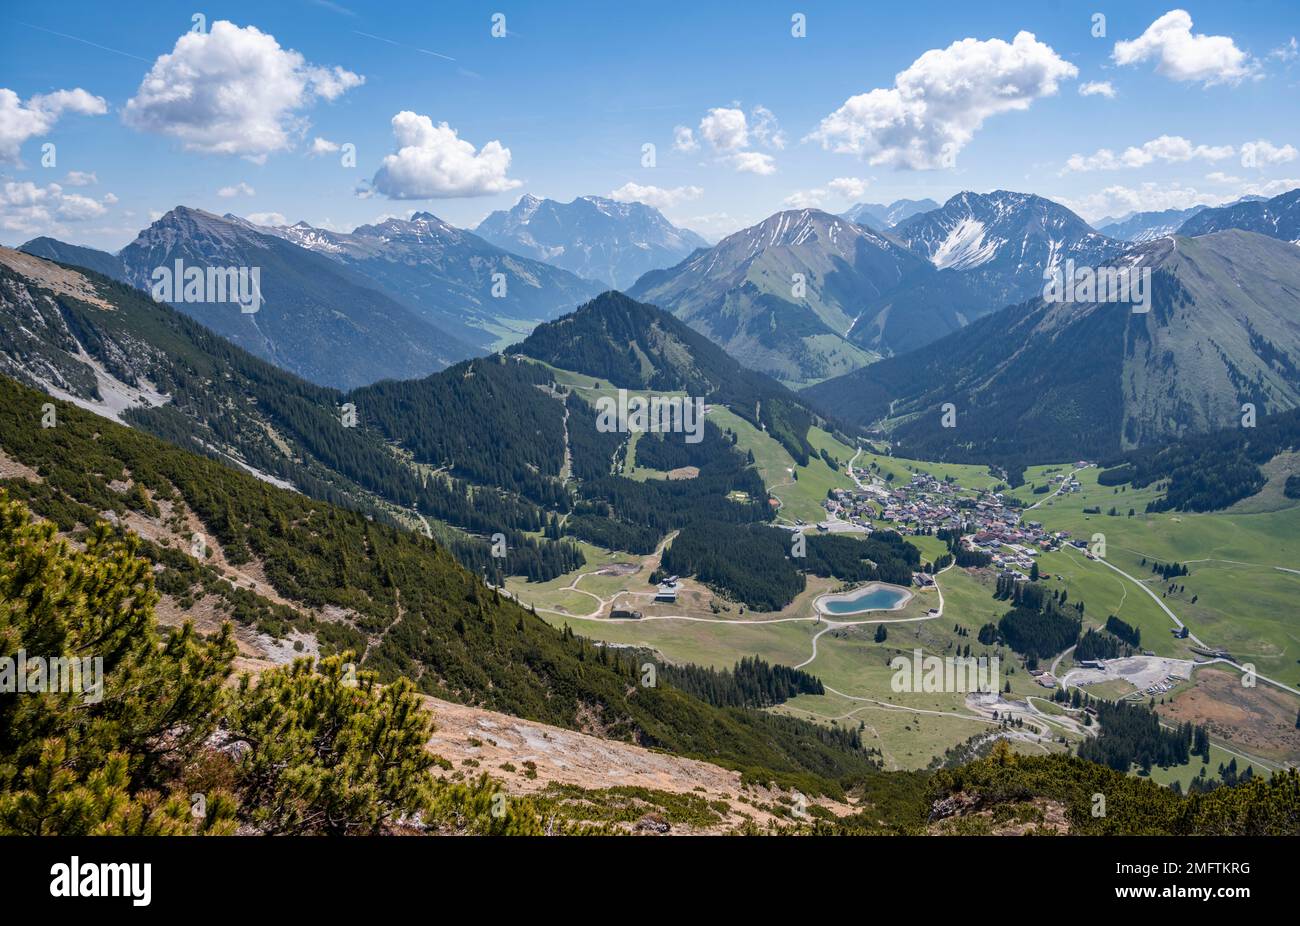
(364, 475)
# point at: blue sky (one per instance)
(870, 104)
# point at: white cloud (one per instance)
(849, 187)
(1270, 188)
(1218, 176)
(804, 199)
(232, 90)
(1167, 148)
(753, 162)
(765, 129)
(1155, 197)
(80, 178)
(684, 139)
(714, 225)
(321, 146)
(1098, 88)
(433, 163)
(725, 129)
(1287, 51)
(20, 121)
(1262, 153)
(239, 189)
(1149, 197)
(269, 219)
(938, 104)
(731, 135)
(655, 196)
(1183, 55)
(27, 207)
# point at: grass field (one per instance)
(1236, 598)
(1244, 602)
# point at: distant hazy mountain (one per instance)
(1003, 241)
(446, 275)
(783, 295)
(878, 215)
(110, 265)
(1278, 217)
(597, 238)
(316, 319)
(1144, 226)
(1055, 381)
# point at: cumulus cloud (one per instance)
(80, 178)
(232, 90)
(1098, 88)
(27, 207)
(804, 199)
(20, 121)
(655, 196)
(321, 146)
(269, 219)
(239, 189)
(942, 99)
(725, 129)
(1263, 153)
(1156, 197)
(765, 129)
(849, 187)
(433, 163)
(1183, 55)
(732, 136)
(1167, 148)
(753, 162)
(684, 139)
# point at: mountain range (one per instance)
(1052, 380)
(1004, 242)
(315, 318)
(878, 215)
(600, 239)
(867, 293)
(1138, 227)
(782, 295)
(452, 278)
(1278, 217)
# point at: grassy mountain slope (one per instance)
(1051, 381)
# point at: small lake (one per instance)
(875, 597)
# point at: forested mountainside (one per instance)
(490, 446)
(634, 345)
(398, 599)
(1054, 380)
(1208, 472)
(108, 347)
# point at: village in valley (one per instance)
(991, 522)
